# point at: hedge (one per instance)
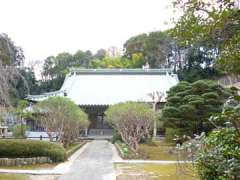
(22, 148)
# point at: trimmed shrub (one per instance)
(22, 148)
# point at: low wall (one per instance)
(24, 161)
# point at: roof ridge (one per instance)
(121, 71)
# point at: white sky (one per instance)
(48, 27)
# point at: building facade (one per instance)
(94, 90)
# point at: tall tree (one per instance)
(197, 65)
(56, 67)
(155, 48)
(214, 24)
(11, 57)
(29, 77)
(189, 105)
(100, 54)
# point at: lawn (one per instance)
(13, 177)
(157, 150)
(155, 172)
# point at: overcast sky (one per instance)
(47, 27)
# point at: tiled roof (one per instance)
(111, 86)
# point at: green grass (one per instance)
(157, 151)
(155, 172)
(13, 177)
(129, 155)
(29, 167)
(71, 146)
(152, 151)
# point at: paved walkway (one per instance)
(94, 163)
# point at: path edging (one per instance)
(60, 169)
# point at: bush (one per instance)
(189, 106)
(30, 148)
(220, 157)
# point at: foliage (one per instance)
(132, 121)
(56, 67)
(9, 53)
(60, 115)
(189, 105)
(31, 148)
(136, 61)
(10, 58)
(29, 79)
(198, 65)
(19, 131)
(220, 159)
(155, 48)
(170, 134)
(217, 156)
(20, 111)
(214, 25)
(116, 137)
(230, 56)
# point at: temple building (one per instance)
(94, 90)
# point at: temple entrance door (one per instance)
(98, 124)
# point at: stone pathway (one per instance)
(96, 162)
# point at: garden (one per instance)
(199, 119)
(201, 123)
(58, 115)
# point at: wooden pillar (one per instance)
(155, 121)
